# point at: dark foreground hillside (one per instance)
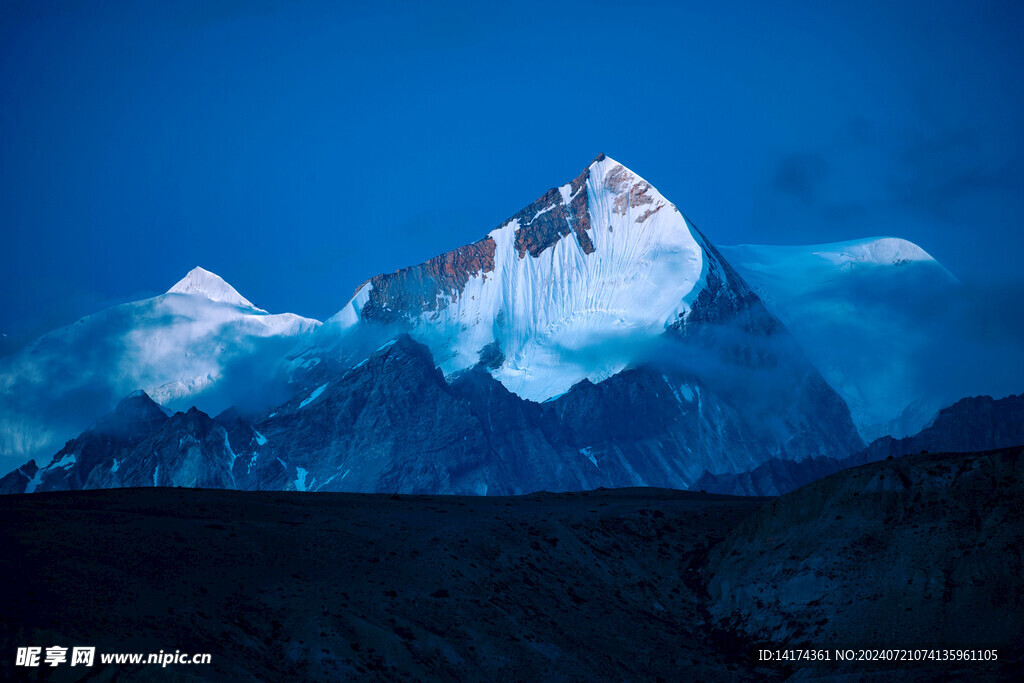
(605, 585)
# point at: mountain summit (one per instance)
(571, 287)
(201, 282)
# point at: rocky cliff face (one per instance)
(106, 443)
(139, 445)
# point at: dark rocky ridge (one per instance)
(394, 423)
(18, 479)
(971, 424)
(111, 439)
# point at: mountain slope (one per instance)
(603, 585)
(971, 424)
(201, 342)
(921, 551)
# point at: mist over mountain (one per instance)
(199, 342)
(894, 332)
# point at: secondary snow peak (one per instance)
(201, 282)
(881, 251)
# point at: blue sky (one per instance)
(298, 148)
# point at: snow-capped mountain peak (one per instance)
(794, 262)
(561, 291)
(200, 343)
(201, 282)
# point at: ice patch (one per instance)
(350, 315)
(386, 345)
(314, 396)
(156, 475)
(260, 439)
(589, 453)
(300, 480)
(542, 212)
(65, 463)
(329, 480)
(682, 392)
(674, 392)
(567, 195)
(34, 482)
(116, 466)
(227, 445)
